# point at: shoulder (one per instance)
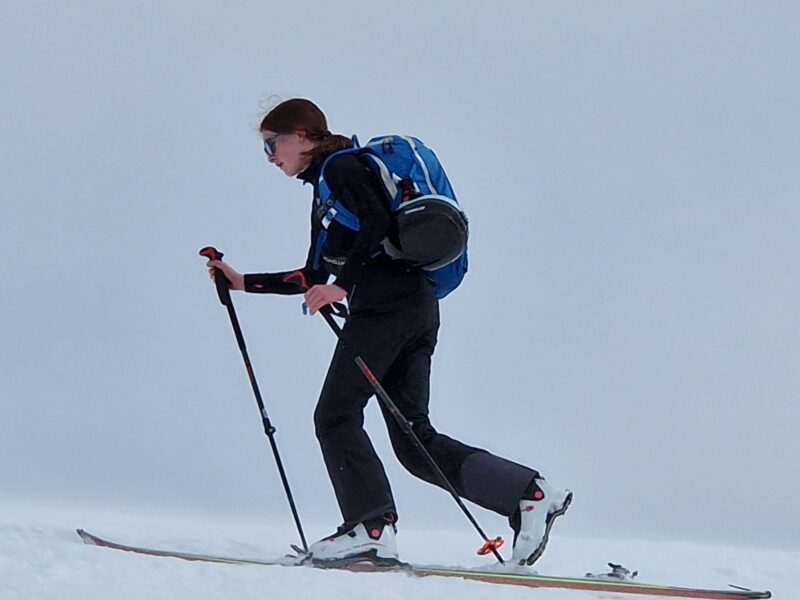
(342, 167)
(348, 176)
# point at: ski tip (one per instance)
(85, 536)
(89, 538)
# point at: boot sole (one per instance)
(369, 556)
(551, 517)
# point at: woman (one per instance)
(393, 323)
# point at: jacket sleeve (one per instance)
(354, 185)
(289, 282)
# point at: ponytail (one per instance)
(327, 143)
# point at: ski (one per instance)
(487, 576)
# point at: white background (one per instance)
(629, 325)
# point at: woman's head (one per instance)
(296, 133)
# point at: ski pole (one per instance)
(224, 293)
(327, 313)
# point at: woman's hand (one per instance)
(236, 278)
(322, 295)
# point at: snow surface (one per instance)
(41, 557)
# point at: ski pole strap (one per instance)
(328, 314)
(221, 282)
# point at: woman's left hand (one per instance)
(322, 295)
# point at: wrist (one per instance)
(342, 285)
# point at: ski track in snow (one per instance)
(41, 557)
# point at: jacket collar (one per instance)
(312, 172)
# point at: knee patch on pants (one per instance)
(495, 483)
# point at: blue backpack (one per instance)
(428, 228)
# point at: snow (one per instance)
(42, 557)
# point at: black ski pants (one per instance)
(397, 345)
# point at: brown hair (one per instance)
(303, 115)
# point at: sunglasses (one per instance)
(269, 144)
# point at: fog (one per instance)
(629, 324)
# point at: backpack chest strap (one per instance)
(336, 211)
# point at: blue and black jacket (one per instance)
(354, 258)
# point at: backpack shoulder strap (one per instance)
(324, 188)
(332, 209)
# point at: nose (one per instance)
(272, 159)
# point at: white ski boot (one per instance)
(366, 541)
(536, 517)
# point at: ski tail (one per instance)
(94, 540)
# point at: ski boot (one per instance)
(538, 510)
(372, 541)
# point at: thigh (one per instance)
(346, 390)
(407, 381)
(408, 385)
(344, 394)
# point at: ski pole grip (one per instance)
(220, 281)
(211, 253)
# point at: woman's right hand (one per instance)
(236, 278)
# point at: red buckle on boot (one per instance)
(491, 546)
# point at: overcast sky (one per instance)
(629, 325)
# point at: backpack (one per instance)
(428, 228)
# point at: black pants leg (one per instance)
(398, 346)
(359, 481)
(483, 478)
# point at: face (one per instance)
(288, 151)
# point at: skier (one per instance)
(392, 323)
